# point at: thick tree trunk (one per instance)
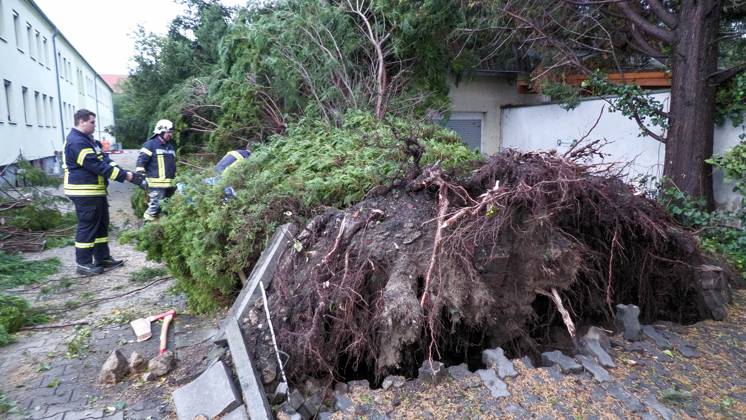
(690, 136)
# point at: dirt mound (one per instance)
(529, 247)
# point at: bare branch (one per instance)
(720, 77)
(663, 14)
(643, 24)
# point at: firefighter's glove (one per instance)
(139, 180)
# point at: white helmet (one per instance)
(163, 125)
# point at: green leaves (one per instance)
(206, 241)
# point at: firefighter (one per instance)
(157, 161)
(230, 159)
(87, 173)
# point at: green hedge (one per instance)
(206, 241)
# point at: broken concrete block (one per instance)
(393, 380)
(627, 321)
(592, 344)
(213, 394)
(295, 400)
(715, 290)
(311, 406)
(238, 413)
(136, 362)
(566, 364)
(660, 341)
(114, 369)
(463, 377)
(148, 376)
(600, 374)
(280, 394)
(343, 403)
(497, 387)
(495, 358)
(432, 372)
(162, 364)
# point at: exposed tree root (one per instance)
(442, 268)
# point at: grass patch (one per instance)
(16, 271)
(147, 274)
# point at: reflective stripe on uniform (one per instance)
(114, 173)
(101, 240)
(236, 155)
(112, 163)
(84, 244)
(82, 155)
(85, 193)
(161, 167)
(160, 182)
(146, 151)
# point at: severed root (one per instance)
(561, 308)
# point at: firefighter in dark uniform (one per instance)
(157, 161)
(87, 173)
(230, 159)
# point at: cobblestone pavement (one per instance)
(52, 374)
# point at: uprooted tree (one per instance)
(442, 267)
(585, 35)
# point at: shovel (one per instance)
(141, 326)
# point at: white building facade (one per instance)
(43, 81)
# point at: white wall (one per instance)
(25, 128)
(484, 95)
(548, 126)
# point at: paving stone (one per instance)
(657, 337)
(463, 377)
(567, 364)
(527, 362)
(361, 384)
(239, 413)
(161, 364)
(432, 372)
(497, 387)
(343, 403)
(599, 373)
(280, 393)
(295, 399)
(311, 406)
(495, 358)
(393, 380)
(595, 343)
(627, 321)
(82, 415)
(686, 349)
(213, 393)
(516, 411)
(631, 402)
(653, 403)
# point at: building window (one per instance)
(17, 29)
(30, 39)
(26, 111)
(46, 52)
(52, 116)
(69, 74)
(8, 102)
(45, 109)
(39, 115)
(59, 65)
(39, 51)
(2, 21)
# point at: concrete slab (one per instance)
(251, 384)
(264, 270)
(238, 414)
(212, 394)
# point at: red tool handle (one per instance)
(161, 316)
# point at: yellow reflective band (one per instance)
(114, 173)
(146, 151)
(161, 167)
(112, 163)
(85, 187)
(101, 240)
(236, 155)
(83, 244)
(85, 193)
(82, 155)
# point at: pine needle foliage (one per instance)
(206, 240)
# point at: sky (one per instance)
(102, 30)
